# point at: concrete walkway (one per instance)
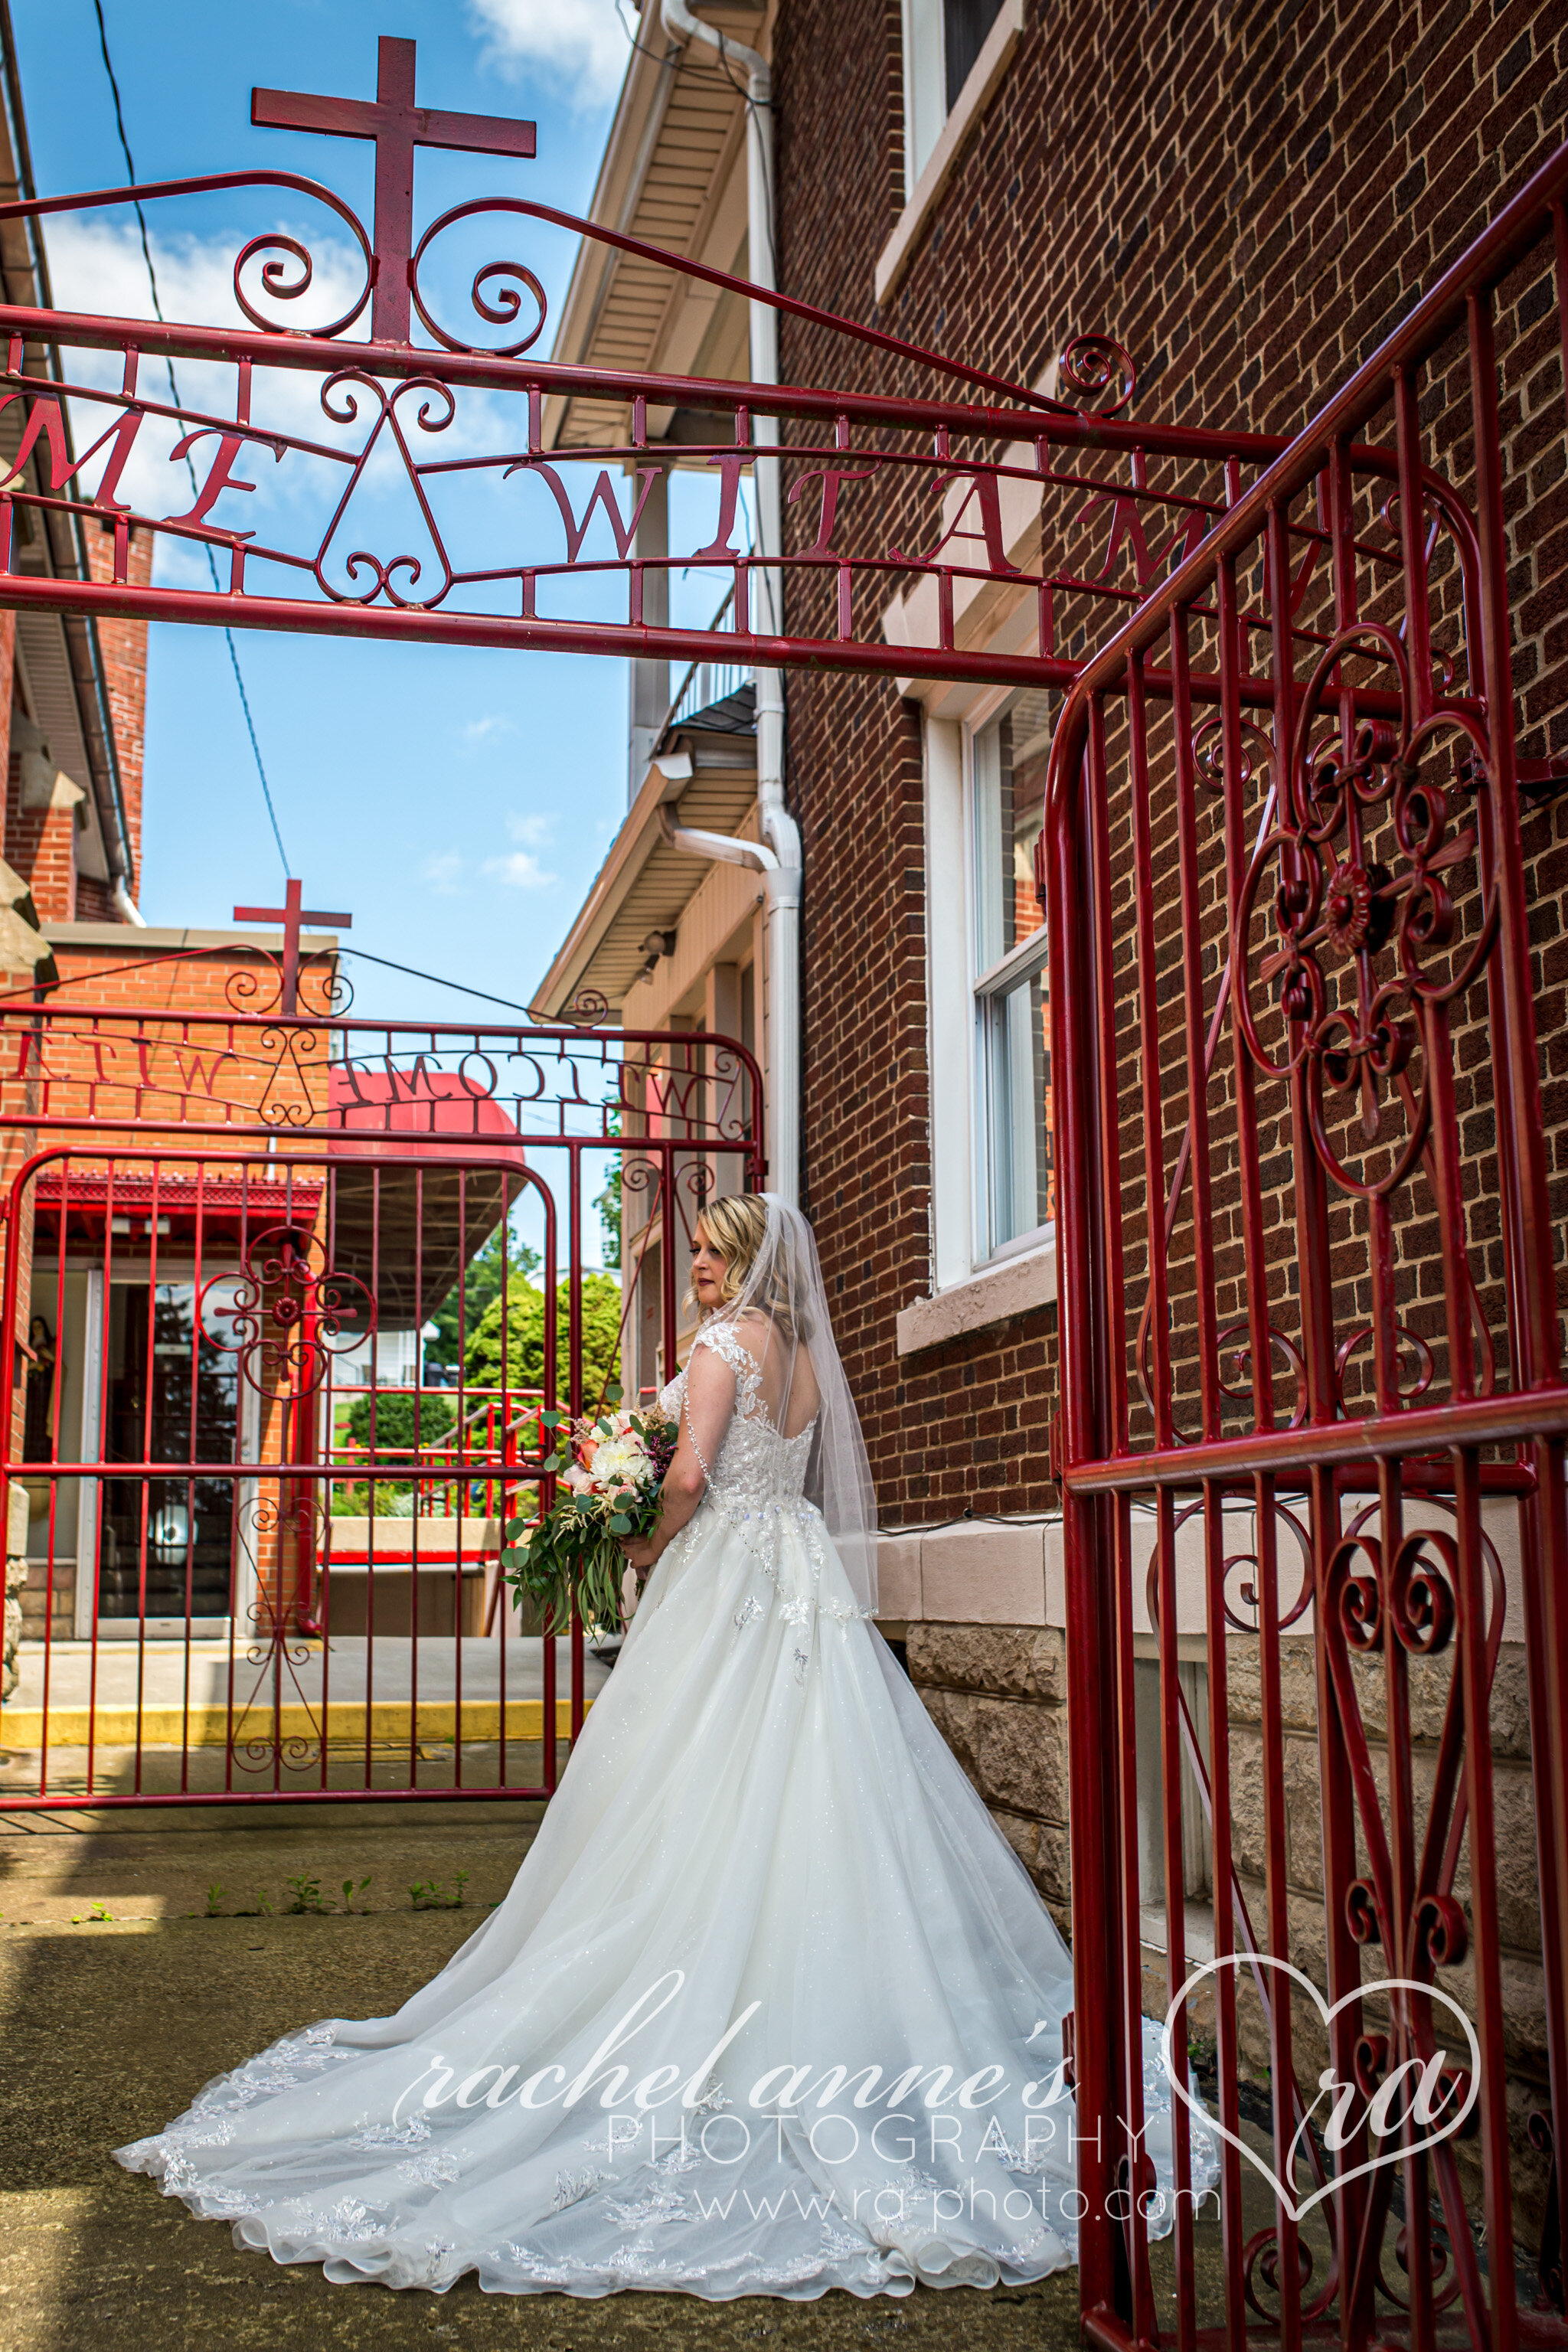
(106, 2030)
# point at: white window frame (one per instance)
(970, 1290)
(949, 1040)
(934, 133)
(985, 987)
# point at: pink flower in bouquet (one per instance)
(611, 1471)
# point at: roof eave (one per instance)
(640, 835)
(623, 863)
(634, 130)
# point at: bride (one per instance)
(772, 2006)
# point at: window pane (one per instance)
(1016, 1170)
(966, 23)
(925, 100)
(1009, 798)
(1029, 750)
(993, 846)
(1017, 1058)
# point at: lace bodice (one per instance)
(756, 1466)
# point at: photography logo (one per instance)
(1431, 2094)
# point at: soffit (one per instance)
(58, 654)
(644, 885)
(675, 176)
(51, 689)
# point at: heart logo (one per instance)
(1328, 2085)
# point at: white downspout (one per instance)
(781, 877)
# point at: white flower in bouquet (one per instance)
(621, 1461)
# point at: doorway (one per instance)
(166, 1544)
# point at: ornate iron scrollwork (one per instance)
(1352, 1028)
(290, 1313)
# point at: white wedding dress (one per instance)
(760, 1823)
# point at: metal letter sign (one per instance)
(917, 519)
(1313, 1425)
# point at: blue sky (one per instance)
(458, 802)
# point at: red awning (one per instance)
(406, 1225)
(178, 1195)
(394, 1109)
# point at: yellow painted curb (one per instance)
(208, 1726)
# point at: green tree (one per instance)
(394, 1442)
(395, 1421)
(525, 1339)
(608, 1204)
(503, 1256)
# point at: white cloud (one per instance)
(98, 265)
(582, 43)
(532, 832)
(98, 268)
(444, 872)
(520, 870)
(479, 730)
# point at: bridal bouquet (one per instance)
(611, 1470)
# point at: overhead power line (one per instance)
(461, 987)
(174, 394)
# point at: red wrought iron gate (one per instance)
(298, 1292)
(1313, 1404)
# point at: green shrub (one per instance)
(525, 1339)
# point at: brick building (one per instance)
(1247, 201)
(73, 701)
(72, 694)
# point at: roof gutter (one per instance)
(782, 879)
(82, 647)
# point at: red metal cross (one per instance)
(397, 127)
(293, 916)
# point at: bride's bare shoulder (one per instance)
(740, 1339)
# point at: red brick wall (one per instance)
(188, 1061)
(124, 647)
(40, 844)
(7, 676)
(1248, 200)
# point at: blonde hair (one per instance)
(737, 1226)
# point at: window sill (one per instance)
(972, 99)
(1014, 1285)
